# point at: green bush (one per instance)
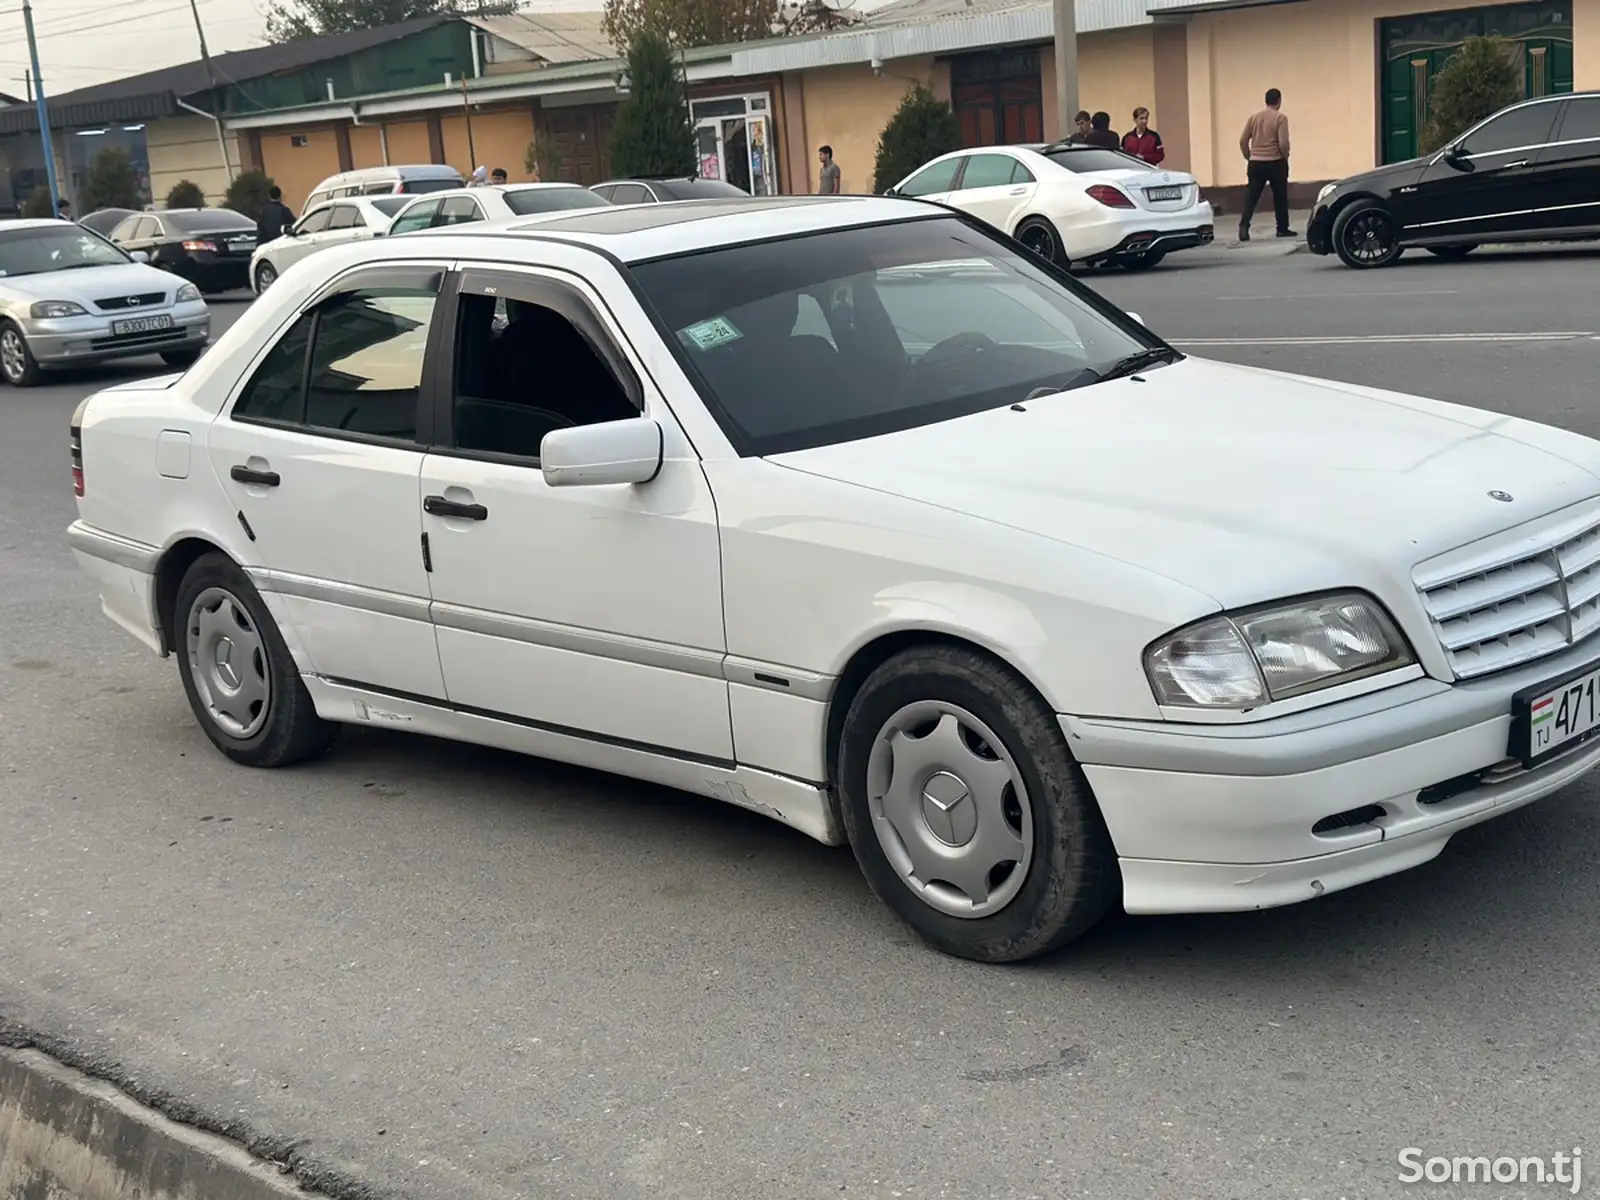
(111, 182)
(37, 206)
(652, 135)
(186, 194)
(1478, 81)
(923, 127)
(249, 193)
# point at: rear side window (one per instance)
(345, 216)
(930, 180)
(631, 193)
(365, 349)
(1515, 130)
(459, 210)
(1582, 122)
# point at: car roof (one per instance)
(639, 233)
(11, 224)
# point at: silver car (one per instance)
(68, 297)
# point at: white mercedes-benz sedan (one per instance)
(843, 510)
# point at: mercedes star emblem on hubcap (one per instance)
(947, 807)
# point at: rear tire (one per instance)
(1366, 236)
(948, 762)
(1041, 237)
(1141, 262)
(242, 684)
(1451, 253)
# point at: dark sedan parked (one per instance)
(658, 191)
(210, 247)
(1529, 173)
(104, 220)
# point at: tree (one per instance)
(37, 206)
(923, 127)
(186, 194)
(111, 182)
(249, 193)
(1478, 81)
(690, 23)
(652, 135)
(300, 19)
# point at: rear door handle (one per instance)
(1019, 191)
(438, 506)
(251, 475)
(1521, 162)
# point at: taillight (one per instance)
(1109, 196)
(77, 461)
(211, 246)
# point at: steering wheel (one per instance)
(951, 350)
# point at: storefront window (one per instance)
(734, 140)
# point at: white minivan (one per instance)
(384, 181)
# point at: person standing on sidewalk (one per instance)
(828, 173)
(1265, 146)
(1100, 132)
(1141, 141)
(1082, 127)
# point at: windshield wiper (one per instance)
(1132, 364)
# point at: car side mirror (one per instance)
(893, 191)
(138, 256)
(1456, 156)
(628, 451)
(1138, 319)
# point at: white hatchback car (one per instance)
(352, 219)
(1075, 205)
(843, 510)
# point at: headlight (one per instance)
(45, 309)
(1327, 191)
(188, 292)
(1249, 658)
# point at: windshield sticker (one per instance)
(709, 334)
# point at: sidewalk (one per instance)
(1263, 241)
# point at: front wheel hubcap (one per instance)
(228, 662)
(1038, 239)
(13, 357)
(950, 809)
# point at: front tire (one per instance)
(242, 684)
(966, 811)
(1366, 235)
(1041, 237)
(266, 276)
(17, 363)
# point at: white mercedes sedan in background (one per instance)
(1074, 205)
(842, 510)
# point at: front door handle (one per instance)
(438, 506)
(251, 475)
(1521, 162)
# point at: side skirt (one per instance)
(792, 802)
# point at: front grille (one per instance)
(142, 300)
(1530, 593)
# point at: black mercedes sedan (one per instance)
(209, 247)
(1530, 173)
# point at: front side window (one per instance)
(931, 180)
(315, 222)
(40, 249)
(418, 216)
(124, 230)
(926, 321)
(1515, 130)
(365, 348)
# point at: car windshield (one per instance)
(808, 341)
(50, 248)
(526, 201)
(207, 220)
(1080, 159)
(696, 189)
(389, 205)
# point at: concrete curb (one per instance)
(67, 1136)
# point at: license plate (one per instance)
(1166, 193)
(1555, 716)
(242, 244)
(140, 325)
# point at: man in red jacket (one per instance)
(1142, 141)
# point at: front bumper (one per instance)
(1319, 230)
(1227, 818)
(83, 340)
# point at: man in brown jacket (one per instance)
(1265, 146)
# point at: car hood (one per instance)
(1244, 484)
(89, 284)
(1382, 178)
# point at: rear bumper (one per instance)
(1144, 242)
(1218, 818)
(216, 274)
(123, 572)
(1104, 233)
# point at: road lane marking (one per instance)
(1387, 339)
(1338, 295)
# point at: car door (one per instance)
(1567, 173)
(592, 610)
(993, 188)
(345, 224)
(415, 216)
(935, 181)
(320, 451)
(1483, 185)
(307, 233)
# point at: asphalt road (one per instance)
(458, 974)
